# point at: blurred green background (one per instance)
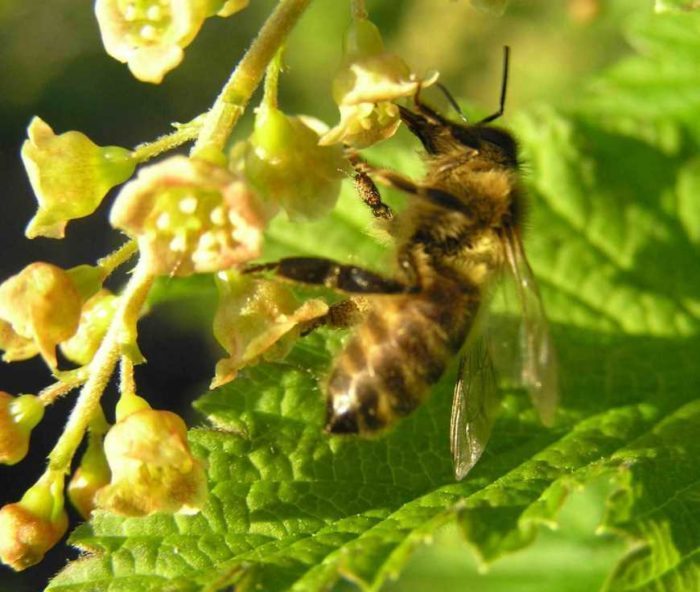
(52, 64)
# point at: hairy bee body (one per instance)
(399, 351)
(406, 341)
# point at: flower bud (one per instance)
(39, 308)
(95, 318)
(30, 527)
(152, 467)
(257, 319)
(189, 216)
(368, 80)
(18, 417)
(149, 35)
(286, 166)
(69, 175)
(92, 475)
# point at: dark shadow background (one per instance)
(52, 64)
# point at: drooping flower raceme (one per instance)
(368, 80)
(257, 319)
(189, 216)
(70, 175)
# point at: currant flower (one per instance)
(286, 166)
(149, 35)
(368, 80)
(30, 527)
(39, 308)
(189, 216)
(18, 417)
(70, 175)
(152, 467)
(257, 319)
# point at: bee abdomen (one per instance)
(388, 366)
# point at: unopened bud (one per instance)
(91, 475)
(30, 527)
(286, 166)
(18, 417)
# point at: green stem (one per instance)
(184, 132)
(359, 10)
(127, 384)
(232, 101)
(110, 262)
(272, 77)
(100, 370)
(48, 395)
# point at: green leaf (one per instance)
(613, 239)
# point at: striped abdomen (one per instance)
(400, 350)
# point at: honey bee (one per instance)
(460, 229)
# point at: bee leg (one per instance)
(369, 193)
(325, 272)
(386, 177)
(340, 315)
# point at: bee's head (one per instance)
(492, 143)
(441, 136)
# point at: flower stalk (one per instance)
(101, 369)
(233, 99)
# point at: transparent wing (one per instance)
(538, 371)
(473, 407)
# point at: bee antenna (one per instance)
(504, 88)
(451, 100)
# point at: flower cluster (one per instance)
(184, 215)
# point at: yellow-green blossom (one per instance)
(18, 417)
(286, 166)
(367, 82)
(152, 467)
(189, 216)
(39, 308)
(257, 319)
(70, 175)
(149, 35)
(30, 527)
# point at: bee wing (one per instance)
(538, 371)
(473, 407)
